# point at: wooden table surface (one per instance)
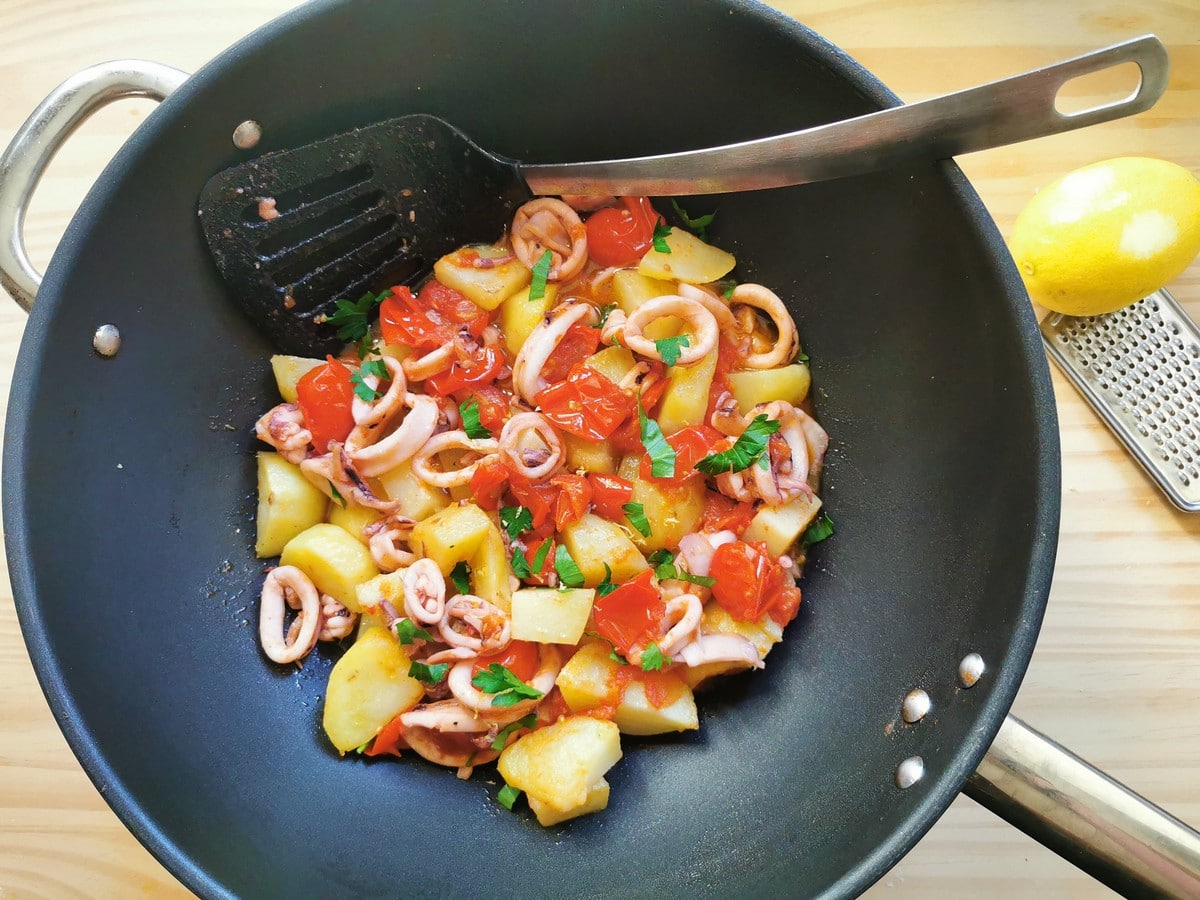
(1116, 674)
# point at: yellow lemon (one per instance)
(1108, 234)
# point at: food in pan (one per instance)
(548, 494)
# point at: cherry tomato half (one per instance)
(480, 370)
(749, 583)
(580, 342)
(632, 615)
(621, 237)
(519, 657)
(574, 498)
(723, 514)
(325, 395)
(609, 494)
(588, 404)
(691, 445)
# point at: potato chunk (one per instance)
(685, 401)
(589, 456)
(336, 562)
(371, 594)
(631, 289)
(452, 535)
(490, 571)
(288, 371)
(672, 510)
(549, 616)
(417, 500)
(486, 288)
(781, 526)
(519, 316)
(559, 764)
(368, 687)
(763, 634)
(353, 519)
(690, 260)
(612, 362)
(594, 542)
(288, 503)
(547, 815)
(756, 386)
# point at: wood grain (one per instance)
(1116, 675)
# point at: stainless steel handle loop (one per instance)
(39, 139)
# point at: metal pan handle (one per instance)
(39, 139)
(1086, 817)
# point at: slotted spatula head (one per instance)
(356, 212)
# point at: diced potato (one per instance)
(547, 815)
(336, 562)
(549, 616)
(398, 352)
(763, 634)
(685, 400)
(371, 594)
(613, 362)
(690, 260)
(594, 542)
(487, 288)
(672, 510)
(353, 519)
(451, 536)
(368, 687)
(288, 503)
(591, 676)
(589, 456)
(559, 764)
(756, 386)
(519, 316)
(780, 526)
(288, 372)
(490, 571)
(631, 289)
(417, 500)
(452, 461)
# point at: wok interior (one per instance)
(141, 611)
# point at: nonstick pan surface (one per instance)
(939, 552)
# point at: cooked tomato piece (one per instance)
(748, 582)
(723, 514)
(538, 498)
(621, 237)
(533, 546)
(580, 342)
(494, 408)
(325, 394)
(574, 498)
(587, 404)
(489, 483)
(609, 494)
(405, 319)
(480, 370)
(632, 615)
(390, 740)
(519, 657)
(691, 445)
(448, 303)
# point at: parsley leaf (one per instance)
(337, 495)
(801, 356)
(821, 528)
(604, 313)
(502, 738)
(434, 674)
(670, 348)
(508, 796)
(665, 568)
(407, 631)
(697, 226)
(507, 689)
(461, 576)
(726, 286)
(662, 454)
(606, 587)
(520, 565)
(636, 515)
(745, 450)
(362, 390)
(541, 273)
(617, 657)
(362, 748)
(568, 570)
(661, 233)
(469, 410)
(539, 558)
(652, 659)
(350, 318)
(516, 520)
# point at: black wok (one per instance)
(943, 478)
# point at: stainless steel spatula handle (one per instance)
(1002, 112)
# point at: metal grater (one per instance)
(1139, 368)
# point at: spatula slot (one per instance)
(287, 201)
(298, 232)
(316, 255)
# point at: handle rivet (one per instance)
(247, 135)
(970, 670)
(107, 340)
(910, 772)
(916, 706)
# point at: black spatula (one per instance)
(378, 205)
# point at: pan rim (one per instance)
(941, 788)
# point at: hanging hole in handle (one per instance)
(1099, 90)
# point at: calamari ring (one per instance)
(510, 446)
(701, 328)
(548, 224)
(452, 440)
(459, 682)
(542, 342)
(787, 345)
(424, 592)
(304, 596)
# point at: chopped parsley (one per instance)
(726, 286)
(502, 738)
(665, 568)
(351, 318)
(434, 674)
(461, 576)
(568, 570)
(605, 310)
(636, 514)
(539, 558)
(520, 565)
(337, 495)
(745, 451)
(662, 454)
(508, 796)
(469, 410)
(669, 349)
(606, 587)
(516, 520)
(652, 658)
(661, 233)
(617, 657)
(407, 631)
(505, 687)
(821, 528)
(541, 273)
(802, 357)
(697, 226)
(362, 390)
